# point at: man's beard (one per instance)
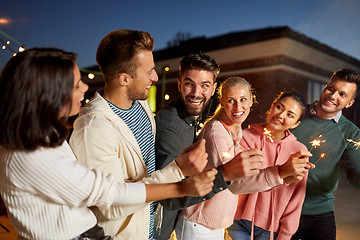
(195, 111)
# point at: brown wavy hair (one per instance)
(35, 85)
(117, 50)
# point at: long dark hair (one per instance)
(35, 85)
(296, 96)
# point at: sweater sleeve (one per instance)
(267, 178)
(219, 144)
(162, 176)
(95, 146)
(350, 158)
(55, 174)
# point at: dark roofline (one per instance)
(203, 44)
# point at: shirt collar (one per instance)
(312, 111)
(188, 118)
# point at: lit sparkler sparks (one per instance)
(226, 155)
(267, 133)
(316, 142)
(321, 156)
(356, 143)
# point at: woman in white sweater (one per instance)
(46, 192)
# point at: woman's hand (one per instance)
(295, 168)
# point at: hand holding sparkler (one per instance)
(245, 164)
(295, 168)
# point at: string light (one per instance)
(91, 76)
(4, 46)
(4, 21)
(9, 42)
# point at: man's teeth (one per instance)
(329, 102)
(195, 101)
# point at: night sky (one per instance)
(79, 25)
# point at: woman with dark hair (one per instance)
(276, 212)
(46, 192)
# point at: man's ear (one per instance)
(349, 104)
(123, 79)
(179, 84)
(215, 84)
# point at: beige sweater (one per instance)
(47, 193)
(102, 140)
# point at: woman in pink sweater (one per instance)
(274, 213)
(222, 132)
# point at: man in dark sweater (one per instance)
(177, 125)
(325, 122)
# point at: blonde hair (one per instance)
(228, 83)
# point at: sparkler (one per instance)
(226, 155)
(321, 156)
(316, 142)
(267, 133)
(356, 143)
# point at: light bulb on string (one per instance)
(91, 76)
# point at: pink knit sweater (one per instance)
(279, 209)
(218, 212)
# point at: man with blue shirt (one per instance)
(115, 132)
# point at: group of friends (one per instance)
(125, 174)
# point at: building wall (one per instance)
(271, 66)
(289, 61)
